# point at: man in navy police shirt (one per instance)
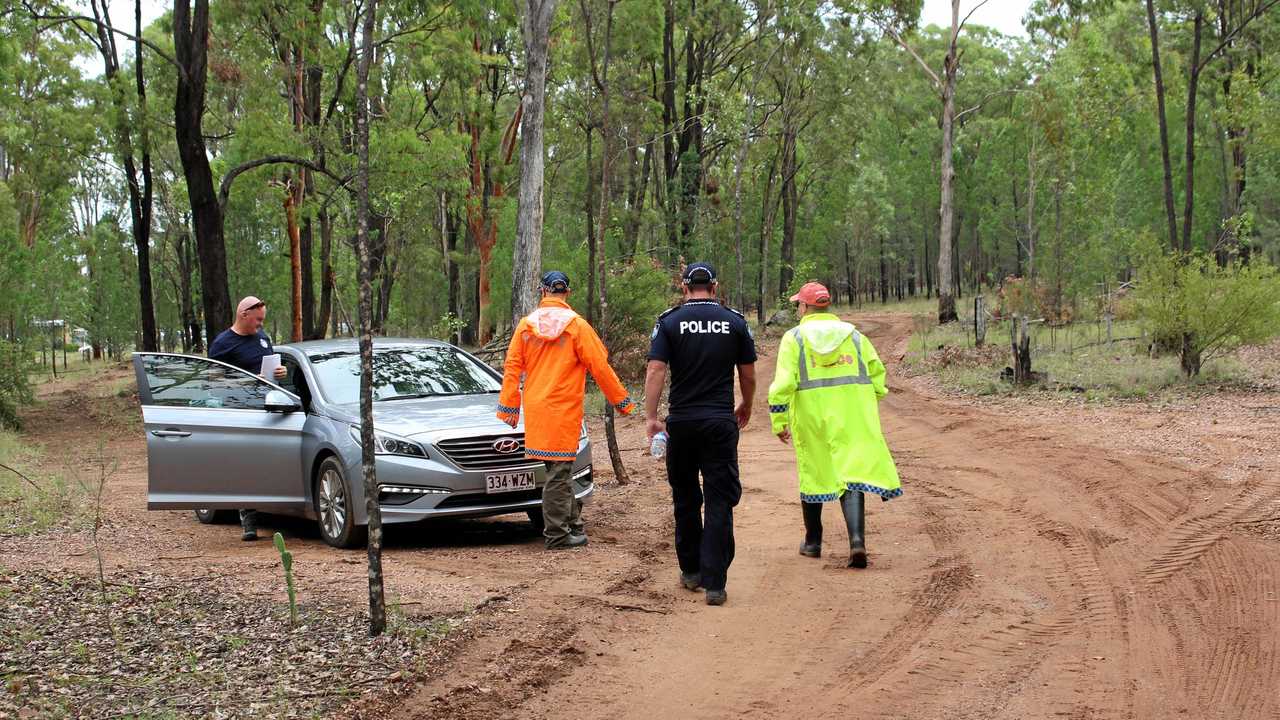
(701, 341)
(243, 345)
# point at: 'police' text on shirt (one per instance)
(717, 327)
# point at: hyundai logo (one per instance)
(506, 446)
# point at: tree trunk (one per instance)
(588, 204)
(1193, 86)
(884, 280)
(979, 320)
(767, 213)
(326, 274)
(1021, 341)
(790, 202)
(292, 197)
(190, 40)
(140, 193)
(738, 162)
(527, 260)
(601, 271)
(946, 294)
(377, 601)
(1170, 216)
(190, 330)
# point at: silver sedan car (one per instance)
(220, 438)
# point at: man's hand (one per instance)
(281, 372)
(511, 420)
(653, 426)
(743, 415)
(785, 436)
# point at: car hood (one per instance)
(429, 417)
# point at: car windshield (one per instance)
(402, 373)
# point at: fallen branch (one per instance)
(640, 608)
(1104, 342)
(24, 477)
(1256, 522)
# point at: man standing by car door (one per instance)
(552, 350)
(702, 342)
(243, 345)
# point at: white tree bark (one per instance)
(527, 265)
(946, 210)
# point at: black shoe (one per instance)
(812, 545)
(691, 581)
(249, 535)
(716, 597)
(851, 504)
(567, 542)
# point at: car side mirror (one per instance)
(278, 401)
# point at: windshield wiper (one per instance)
(419, 396)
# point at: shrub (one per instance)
(14, 387)
(1220, 307)
(638, 293)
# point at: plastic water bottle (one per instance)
(658, 448)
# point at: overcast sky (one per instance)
(1003, 15)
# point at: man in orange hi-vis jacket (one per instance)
(552, 350)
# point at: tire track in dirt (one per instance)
(1012, 651)
(1192, 537)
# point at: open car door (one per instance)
(217, 436)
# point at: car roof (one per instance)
(310, 347)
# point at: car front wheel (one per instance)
(333, 507)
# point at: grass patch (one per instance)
(1075, 359)
(32, 501)
(911, 306)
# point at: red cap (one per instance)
(813, 293)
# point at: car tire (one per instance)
(536, 517)
(334, 514)
(216, 517)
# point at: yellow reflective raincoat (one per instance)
(826, 389)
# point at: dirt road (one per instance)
(1023, 575)
(1027, 572)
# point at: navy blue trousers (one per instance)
(704, 512)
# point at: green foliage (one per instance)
(286, 561)
(1058, 177)
(1222, 307)
(446, 327)
(1075, 361)
(15, 389)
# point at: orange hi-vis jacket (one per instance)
(551, 350)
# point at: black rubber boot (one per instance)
(812, 546)
(852, 506)
(248, 525)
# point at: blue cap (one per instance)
(699, 273)
(556, 282)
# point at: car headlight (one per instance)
(583, 436)
(385, 443)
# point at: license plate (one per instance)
(509, 482)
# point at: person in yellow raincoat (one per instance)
(551, 352)
(824, 396)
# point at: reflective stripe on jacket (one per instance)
(826, 389)
(552, 350)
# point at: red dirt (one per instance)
(1034, 568)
